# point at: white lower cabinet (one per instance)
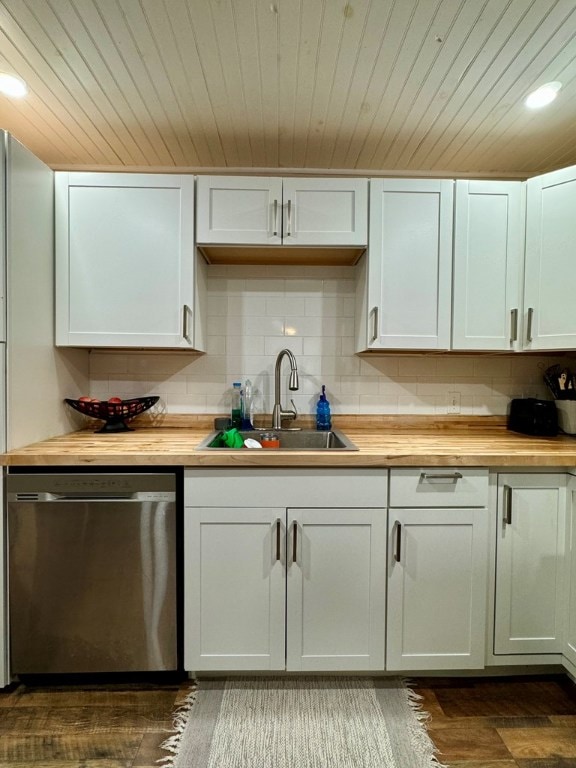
(291, 587)
(234, 589)
(438, 574)
(530, 564)
(569, 649)
(312, 573)
(302, 589)
(336, 589)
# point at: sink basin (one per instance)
(301, 440)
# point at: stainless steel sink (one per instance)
(301, 440)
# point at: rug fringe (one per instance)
(419, 737)
(172, 744)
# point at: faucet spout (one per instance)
(280, 413)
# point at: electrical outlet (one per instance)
(453, 402)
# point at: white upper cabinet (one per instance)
(239, 210)
(126, 269)
(408, 301)
(254, 210)
(550, 316)
(488, 261)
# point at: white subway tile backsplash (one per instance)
(259, 325)
(106, 363)
(304, 326)
(255, 311)
(275, 344)
(371, 404)
(318, 346)
(216, 345)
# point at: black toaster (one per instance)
(533, 417)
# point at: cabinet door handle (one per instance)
(186, 312)
(295, 542)
(398, 547)
(278, 539)
(374, 324)
(507, 505)
(289, 219)
(529, 324)
(275, 215)
(441, 476)
(514, 324)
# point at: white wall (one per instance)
(254, 312)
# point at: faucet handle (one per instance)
(295, 409)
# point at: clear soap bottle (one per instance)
(236, 407)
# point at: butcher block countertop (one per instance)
(383, 441)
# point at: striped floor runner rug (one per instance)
(300, 722)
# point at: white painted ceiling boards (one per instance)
(366, 86)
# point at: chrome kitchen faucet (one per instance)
(279, 413)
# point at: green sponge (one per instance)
(232, 438)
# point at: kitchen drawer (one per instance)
(438, 487)
(271, 487)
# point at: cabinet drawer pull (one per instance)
(295, 542)
(441, 476)
(275, 228)
(278, 537)
(186, 312)
(529, 324)
(374, 314)
(398, 547)
(507, 505)
(289, 219)
(514, 325)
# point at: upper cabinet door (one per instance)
(488, 252)
(236, 210)
(325, 212)
(550, 263)
(125, 260)
(239, 210)
(410, 264)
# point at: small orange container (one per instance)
(270, 440)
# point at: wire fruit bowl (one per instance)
(114, 414)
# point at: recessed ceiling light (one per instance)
(543, 95)
(10, 85)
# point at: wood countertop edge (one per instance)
(235, 459)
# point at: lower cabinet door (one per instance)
(570, 604)
(530, 563)
(336, 589)
(437, 588)
(234, 589)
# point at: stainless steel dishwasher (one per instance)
(92, 572)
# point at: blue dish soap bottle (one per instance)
(323, 418)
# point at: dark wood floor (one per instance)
(512, 722)
(475, 723)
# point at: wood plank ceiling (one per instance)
(418, 87)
